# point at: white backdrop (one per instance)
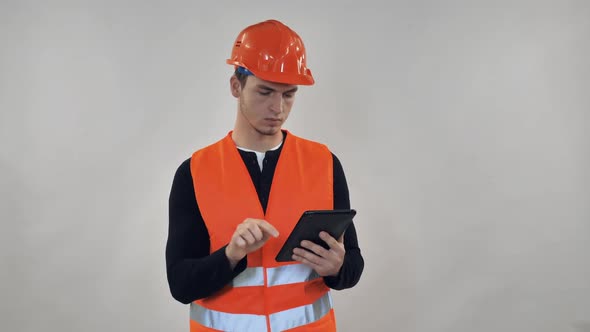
(462, 127)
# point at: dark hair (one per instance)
(241, 77)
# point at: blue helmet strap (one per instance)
(244, 71)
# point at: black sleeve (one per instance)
(353, 265)
(192, 272)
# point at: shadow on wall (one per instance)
(582, 326)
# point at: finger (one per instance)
(317, 249)
(319, 268)
(239, 241)
(336, 247)
(308, 256)
(267, 228)
(256, 232)
(245, 234)
(305, 261)
(332, 242)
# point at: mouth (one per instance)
(273, 120)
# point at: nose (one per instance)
(277, 103)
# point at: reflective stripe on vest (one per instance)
(281, 275)
(279, 321)
(290, 274)
(252, 276)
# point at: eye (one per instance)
(289, 95)
(264, 93)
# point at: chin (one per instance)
(268, 131)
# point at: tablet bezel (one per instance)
(335, 224)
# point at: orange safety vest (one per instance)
(267, 295)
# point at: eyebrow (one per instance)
(268, 88)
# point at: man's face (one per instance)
(263, 106)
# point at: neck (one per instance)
(256, 141)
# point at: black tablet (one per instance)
(309, 226)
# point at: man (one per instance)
(234, 203)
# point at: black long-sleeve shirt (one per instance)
(194, 273)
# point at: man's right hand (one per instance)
(249, 236)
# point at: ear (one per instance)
(235, 86)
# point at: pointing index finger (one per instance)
(267, 228)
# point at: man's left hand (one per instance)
(325, 262)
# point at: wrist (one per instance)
(232, 257)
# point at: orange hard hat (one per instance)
(272, 52)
